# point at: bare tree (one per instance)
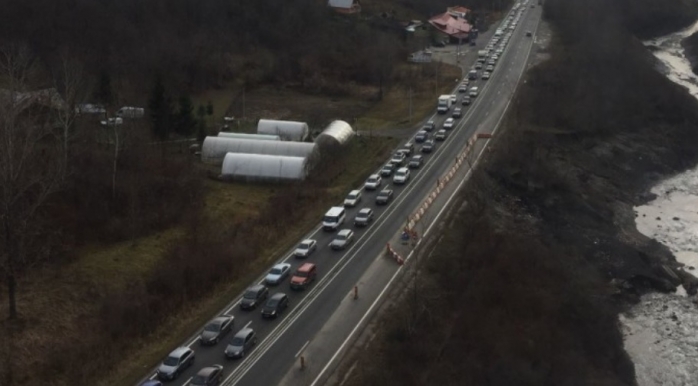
(70, 81)
(30, 169)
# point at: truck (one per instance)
(130, 112)
(444, 105)
(483, 53)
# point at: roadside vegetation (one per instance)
(134, 246)
(525, 286)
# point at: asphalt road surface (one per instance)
(327, 302)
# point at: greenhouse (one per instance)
(228, 134)
(287, 130)
(338, 132)
(258, 167)
(214, 149)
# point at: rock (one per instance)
(659, 218)
(690, 268)
(676, 219)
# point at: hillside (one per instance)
(526, 285)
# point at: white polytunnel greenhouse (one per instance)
(260, 167)
(228, 134)
(287, 130)
(339, 132)
(214, 149)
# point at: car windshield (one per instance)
(382, 195)
(372, 179)
(400, 174)
(272, 302)
(237, 341)
(304, 245)
(330, 219)
(250, 294)
(302, 274)
(341, 237)
(171, 361)
(198, 380)
(352, 196)
(275, 271)
(212, 327)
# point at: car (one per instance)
(416, 162)
(364, 217)
(462, 89)
(112, 121)
(373, 182)
(490, 63)
(429, 126)
(473, 92)
(428, 146)
(466, 101)
(421, 136)
(152, 382)
(241, 343)
(304, 276)
(178, 360)
(353, 198)
(387, 170)
(208, 376)
(276, 304)
(215, 329)
(407, 149)
(486, 75)
(401, 176)
(254, 296)
(489, 68)
(457, 112)
(398, 158)
(454, 98)
(449, 123)
(305, 248)
(343, 238)
(440, 135)
(478, 65)
(277, 274)
(384, 197)
(528, 33)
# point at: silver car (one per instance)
(277, 273)
(215, 329)
(344, 238)
(175, 363)
(241, 343)
(305, 248)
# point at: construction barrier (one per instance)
(392, 253)
(441, 182)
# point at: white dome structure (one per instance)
(258, 167)
(339, 132)
(228, 134)
(287, 130)
(214, 149)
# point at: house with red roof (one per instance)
(453, 26)
(458, 11)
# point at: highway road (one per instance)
(324, 303)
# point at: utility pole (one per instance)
(410, 104)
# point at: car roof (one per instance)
(344, 232)
(243, 333)
(404, 170)
(335, 211)
(385, 191)
(281, 265)
(308, 241)
(365, 210)
(179, 351)
(278, 296)
(418, 156)
(374, 176)
(206, 371)
(356, 191)
(256, 287)
(306, 267)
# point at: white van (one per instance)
(130, 112)
(333, 218)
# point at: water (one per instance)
(661, 332)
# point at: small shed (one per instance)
(260, 167)
(338, 132)
(264, 137)
(214, 149)
(287, 130)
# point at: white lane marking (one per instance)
(153, 376)
(187, 382)
(434, 222)
(302, 348)
(248, 324)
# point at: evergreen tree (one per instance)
(201, 131)
(186, 123)
(201, 112)
(209, 108)
(160, 107)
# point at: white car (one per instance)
(373, 182)
(343, 239)
(454, 98)
(473, 92)
(353, 198)
(449, 123)
(305, 248)
(278, 273)
(113, 122)
(401, 176)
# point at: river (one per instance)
(661, 332)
